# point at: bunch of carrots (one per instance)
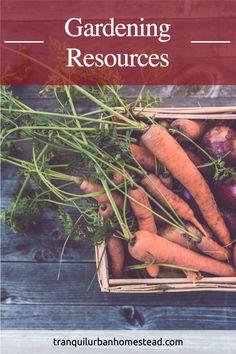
(139, 187)
(156, 244)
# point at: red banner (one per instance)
(88, 42)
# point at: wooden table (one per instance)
(33, 298)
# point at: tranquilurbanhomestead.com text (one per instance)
(84, 342)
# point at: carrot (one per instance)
(205, 245)
(175, 235)
(118, 178)
(145, 220)
(193, 276)
(210, 247)
(166, 179)
(153, 270)
(116, 252)
(144, 217)
(105, 210)
(191, 128)
(146, 247)
(169, 152)
(143, 156)
(90, 187)
(166, 197)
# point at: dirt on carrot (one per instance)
(206, 244)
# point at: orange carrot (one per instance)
(146, 247)
(118, 178)
(105, 210)
(166, 197)
(116, 252)
(90, 187)
(145, 219)
(191, 128)
(153, 270)
(143, 156)
(193, 276)
(175, 235)
(206, 245)
(170, 153)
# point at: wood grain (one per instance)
(31, 283)
(187, 94)
(44, 245)
(117, 317)
(32, 298)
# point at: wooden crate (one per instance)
(168, 284)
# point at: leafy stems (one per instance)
(79, 139)
(134, 124)
(173, 266)
(23, 186)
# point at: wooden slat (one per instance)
(192, 110)
(160, 115)
(187, 95)
(25, 283)
(191, 113)
(168, 103)
(44, 245)
(102, 266)
(183, 280)
(45, 239)
(157, 285)
(183, 96)
(117, 317)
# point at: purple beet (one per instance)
(230, 220)
(219, 141)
